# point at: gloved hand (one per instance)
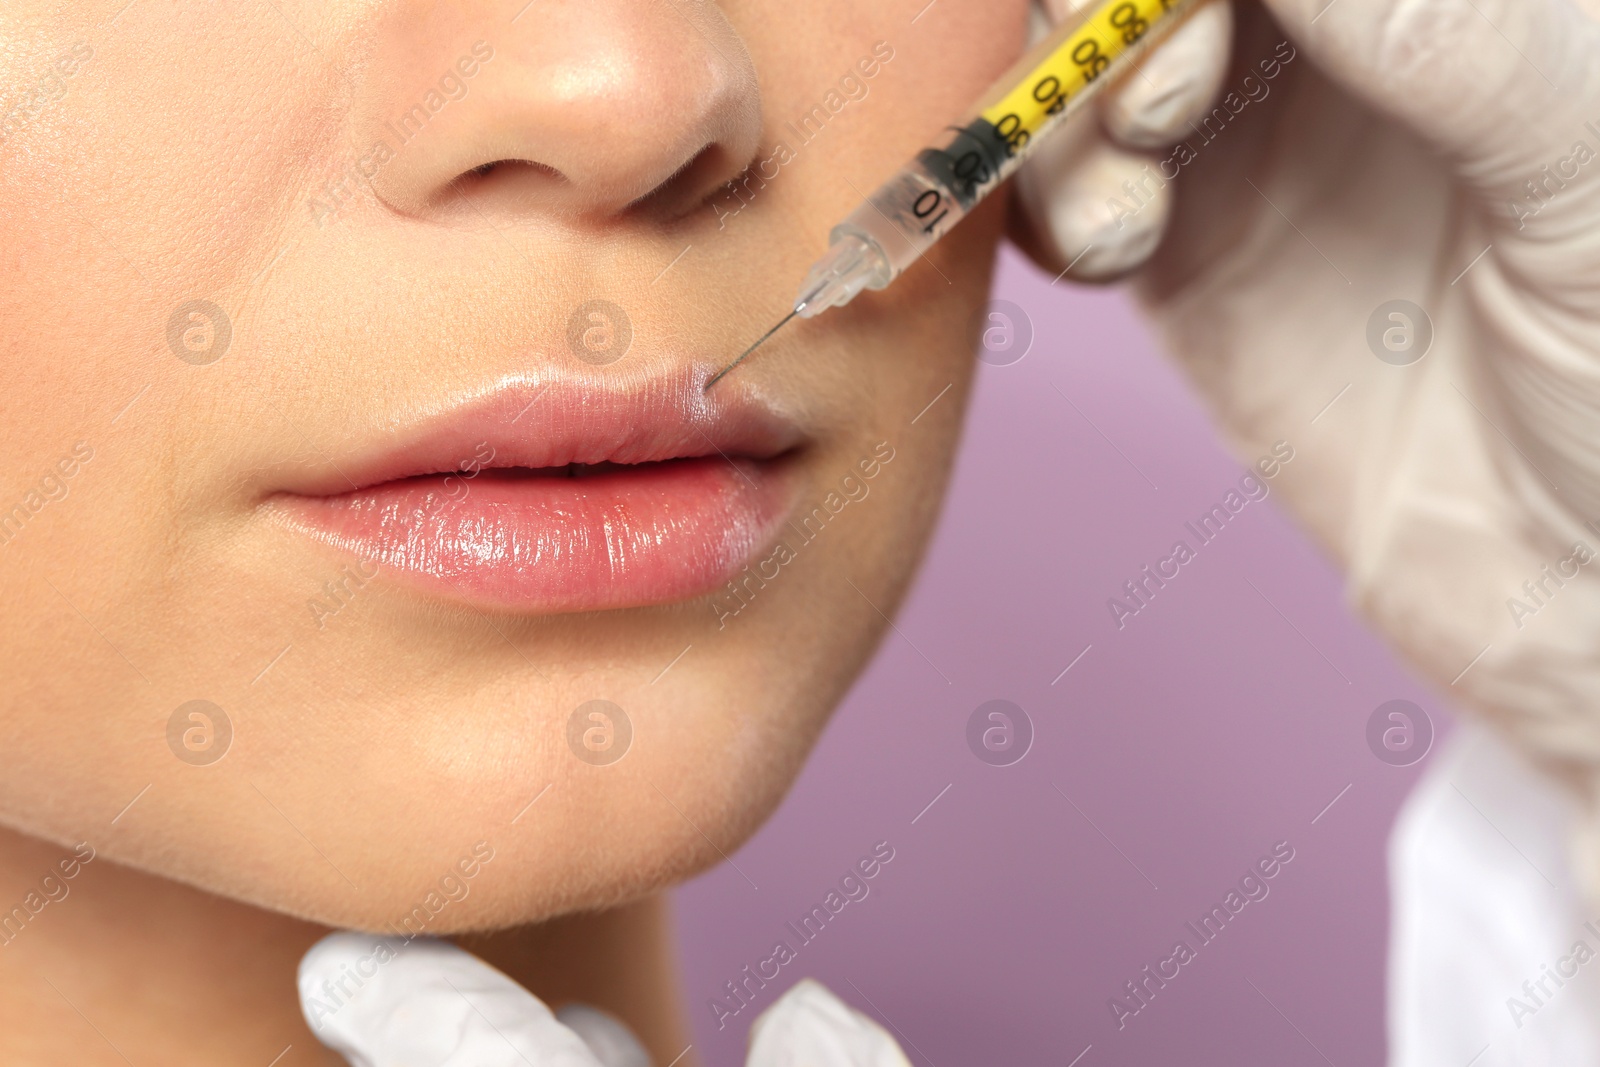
(1443, 152)
(384, 1002)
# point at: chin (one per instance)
(438, 814)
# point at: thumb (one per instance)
(810, 1027)
(1495, 85)
(388, 1002)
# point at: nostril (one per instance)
(503, 164)
(504, 179)
(691, 184)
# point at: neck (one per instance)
(126, 967)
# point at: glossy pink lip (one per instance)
(563, 496)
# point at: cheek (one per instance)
(167, 178)
(952, 57)
(940, 65)
(160, 176)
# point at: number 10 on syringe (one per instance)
(920, 203)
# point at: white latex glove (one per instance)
(383, 1002)
(1390, 160)
(810, 1027)
(1070, 182)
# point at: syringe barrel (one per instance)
(911, 211)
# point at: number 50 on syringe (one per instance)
(911, 211)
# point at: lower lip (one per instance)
(616, 539)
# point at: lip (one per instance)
(560, 494)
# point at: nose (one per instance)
(580, 109)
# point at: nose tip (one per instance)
(591, 109)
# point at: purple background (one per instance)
(1189, 742)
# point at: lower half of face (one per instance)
(365, 519)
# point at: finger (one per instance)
(612, 1043)
(810, 1027)
(1175, 84)
(1097, 210)
(387, 1002)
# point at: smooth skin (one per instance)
(165, 151)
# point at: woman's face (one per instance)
(362, 505)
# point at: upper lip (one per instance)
(553, 419)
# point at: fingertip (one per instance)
(809, 1025)
(1100, 210)
(1175, 84)
(385, 1002)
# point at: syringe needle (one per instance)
(746, 353)
(941, 185)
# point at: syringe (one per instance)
(918, 205)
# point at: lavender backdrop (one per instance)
(1172, 755)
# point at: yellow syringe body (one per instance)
(911, 211)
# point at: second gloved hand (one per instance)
(386, 1002)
